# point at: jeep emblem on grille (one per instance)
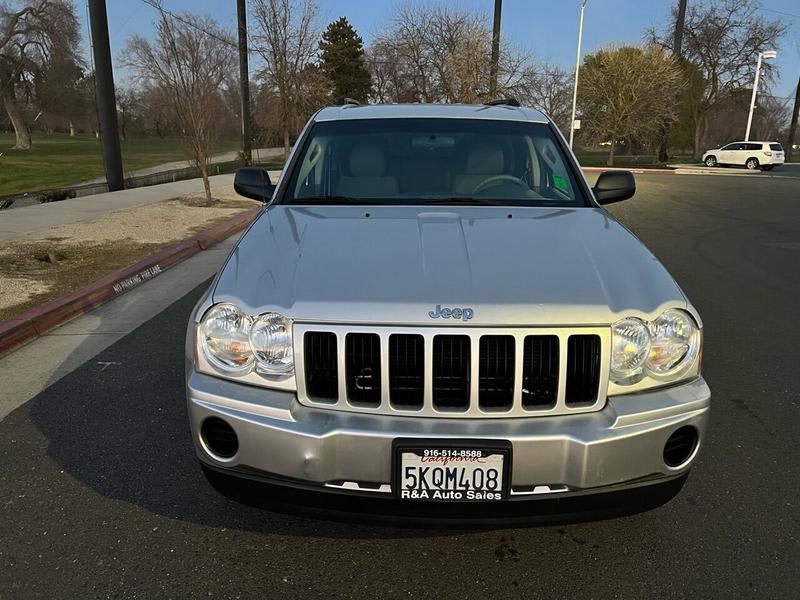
(465, 314)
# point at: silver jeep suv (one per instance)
(433, 307)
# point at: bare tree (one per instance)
(549, 88)
(64, 95)
(628, 93)
(156, 111)
(722, 38)
(442, 53)
(392, 79)
(127, 105)
(187, 61)
(287, 39)
(313, 91)
(31, 33)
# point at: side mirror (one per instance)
(253, 183)
(614, 186)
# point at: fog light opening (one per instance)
(219, 438)
(680, 447)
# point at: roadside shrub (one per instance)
(56, 195)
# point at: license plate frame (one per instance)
(419, 445)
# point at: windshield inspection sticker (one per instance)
(560, 182)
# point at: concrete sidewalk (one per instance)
(42, 362)
(19, 221)
(786, 170)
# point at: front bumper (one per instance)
(618, 446)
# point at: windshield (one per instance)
(432, 161)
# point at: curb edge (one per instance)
(37, 321)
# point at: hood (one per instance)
(395, 264)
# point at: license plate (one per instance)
(448, 473)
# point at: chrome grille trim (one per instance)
(474, 333)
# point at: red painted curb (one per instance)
(38, 320)
(16, 332)
(224, 230)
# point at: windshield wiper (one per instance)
(465, 200)
(415, 201)
(332, 200)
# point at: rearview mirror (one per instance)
(253, 183)
(614, 186)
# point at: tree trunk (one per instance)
(662, 155)
(610, 161)
(286, 145)
(206, 183)
(18, 121)
(699, 132)
(71, 129)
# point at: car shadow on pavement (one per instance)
(118, 424)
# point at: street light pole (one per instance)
(577, 68)
(106, 97)
(498, 7)
(761, 55)
(244, 82)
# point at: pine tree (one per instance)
(343, 61)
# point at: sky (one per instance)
(548, 29)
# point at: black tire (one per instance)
(711, 161)
(751, 164)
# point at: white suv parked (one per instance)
(753, 155)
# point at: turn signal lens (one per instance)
(675, 341)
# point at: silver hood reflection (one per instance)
(394, 264)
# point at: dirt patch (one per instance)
(45, 265)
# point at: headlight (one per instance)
(630, 345)
(675, 342)
(271, 341)
(233, 342)
(655, 352)
(224, 338)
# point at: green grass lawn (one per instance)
(58, 160)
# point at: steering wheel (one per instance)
(495, 179)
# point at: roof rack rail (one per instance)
(345, 101)
(503, 102)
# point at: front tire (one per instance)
(711, 161)
(751, 164)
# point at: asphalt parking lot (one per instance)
(100, 494)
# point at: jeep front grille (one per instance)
(406, 370)
(496, 361)
(452, 372)
(451, 366)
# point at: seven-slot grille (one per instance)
(449, 372)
